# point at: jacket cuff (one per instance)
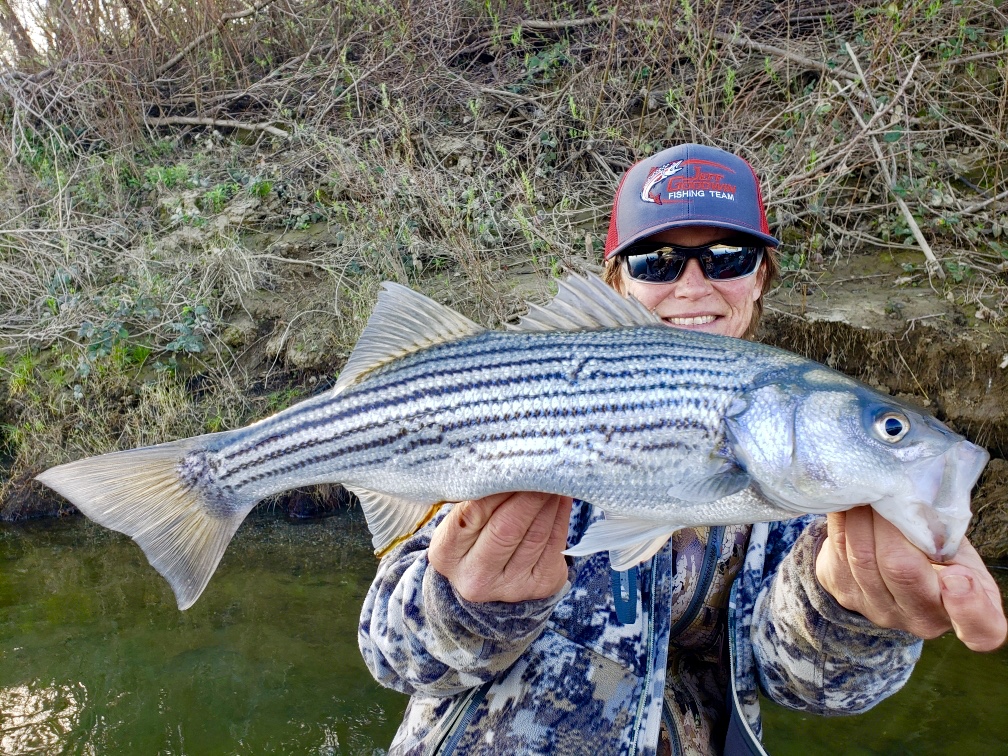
(497, 622)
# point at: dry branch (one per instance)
(742, 41)
(976, 207)
(215, 122)
(224, 20)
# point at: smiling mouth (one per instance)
(697, 320)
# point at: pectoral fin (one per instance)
(628, 540)
(721, 478)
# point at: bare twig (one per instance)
(984, 203)
(224, 123)
(740, 40)
(932, 262)
(227, 17)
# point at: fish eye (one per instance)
(892, 426)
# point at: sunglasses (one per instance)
(660, 262)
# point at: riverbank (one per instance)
(194, 233)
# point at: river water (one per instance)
(95, 658)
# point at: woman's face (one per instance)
(693, 301)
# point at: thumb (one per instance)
(978, 621)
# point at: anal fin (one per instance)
(391, 519)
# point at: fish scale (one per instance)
(590, 397)
(480, 395)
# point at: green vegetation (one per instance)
(192, 232)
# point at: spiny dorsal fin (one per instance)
(586, 303)
(403, 321)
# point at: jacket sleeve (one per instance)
(417, 635)
(813, 654)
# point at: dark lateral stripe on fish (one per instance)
(453, 362)
(515, 400)
(463, 379)
(387, 389)
(486, 455)
(365, 438)
(510, 433)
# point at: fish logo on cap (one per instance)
(657, 175)
(706, 179)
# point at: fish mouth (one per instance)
(937, 516)
(963, 464)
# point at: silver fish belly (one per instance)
(589, 397)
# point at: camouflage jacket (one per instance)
(567, 675)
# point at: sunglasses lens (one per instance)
(728, 262)
(663, 263)
(655, 267)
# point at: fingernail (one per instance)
(957, 585)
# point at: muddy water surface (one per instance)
(96, 659)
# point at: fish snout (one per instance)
(969, 461)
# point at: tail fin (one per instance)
(182, 527)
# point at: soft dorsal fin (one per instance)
(403, 321)
(586, 303)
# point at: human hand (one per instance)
(869, 567)
(505, 547)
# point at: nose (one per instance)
(692, 283)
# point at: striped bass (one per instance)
(590, 397)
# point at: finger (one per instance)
(533, 546)
(978, 622)
(832, 569)
(506, 530)
(910, 581)
(876, 602)
(968, 556)
(836, 527)
(561, 525)
(836, 541)
(457, 533)
(971, 597)
(556, 524)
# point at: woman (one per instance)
(506, 646)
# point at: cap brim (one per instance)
(766, 239)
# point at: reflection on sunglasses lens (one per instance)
(665, 263)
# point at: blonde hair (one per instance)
(612, 274)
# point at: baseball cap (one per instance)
(687, 185)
